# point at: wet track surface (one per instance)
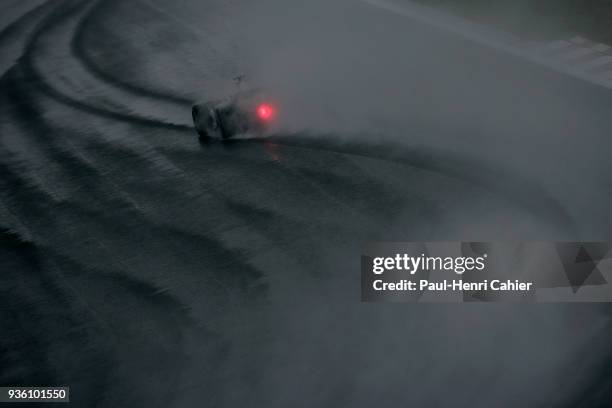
(145, 268)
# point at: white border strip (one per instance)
(480, 34)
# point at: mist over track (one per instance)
(142, 267)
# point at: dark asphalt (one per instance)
(142, 267)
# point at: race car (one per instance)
(246, 114)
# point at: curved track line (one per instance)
(14, 25)
(26, 63)
(80, 51)
(467, 171)
(513, 188)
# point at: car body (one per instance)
(245, 114)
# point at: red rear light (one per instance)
(265, 112)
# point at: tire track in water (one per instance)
(66, 9)
(28, 204)
(17, 24)
(12, 36)
(35, 313)
(147, 272)
(68, 312)
(496, 180)
(344, 152)
(99, 189)
(29, 67)
(79, 49)
(97, 195)
(47, 131)
(95, 202)
(463, 170)
(518, 190)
